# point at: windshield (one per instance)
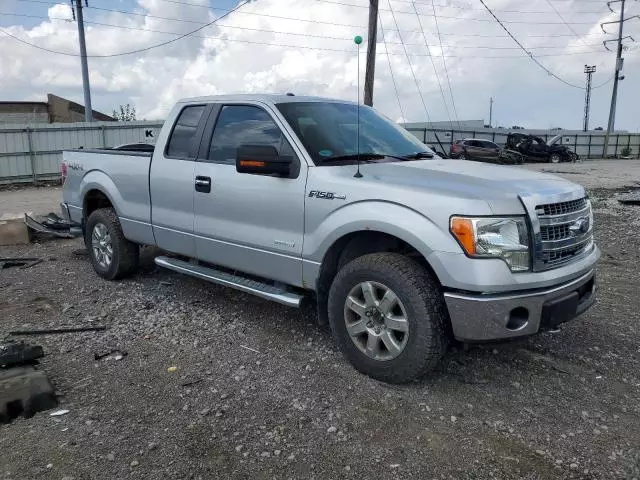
(329, 131)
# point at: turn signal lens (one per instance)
(252, 163)
(462, 229)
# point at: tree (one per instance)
(127, 113)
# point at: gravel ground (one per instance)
(260, 392)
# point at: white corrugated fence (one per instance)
(29, 153)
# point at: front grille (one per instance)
(556, 232)
(565, 233)
(556, 258)
(562, 208)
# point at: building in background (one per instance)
(54, 110)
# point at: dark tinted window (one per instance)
(472, 143)
(488, 144)
(181, 143)
(244, 125)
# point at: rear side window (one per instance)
(488, 144)
(182, 141)
(244, 125)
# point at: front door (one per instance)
(249, 222)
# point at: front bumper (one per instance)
(478, 318)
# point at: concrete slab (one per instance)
(13, 230)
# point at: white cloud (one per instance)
(236, 59)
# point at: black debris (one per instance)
(24, 391)
(13, 353)
(98, 328)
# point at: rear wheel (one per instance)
(463, 156)
(388, 317)
(111, 254)
(555, 158)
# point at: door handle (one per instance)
(203, 184)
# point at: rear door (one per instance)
(473, 149)
(249, 222)
(172, 178)
(491, 151)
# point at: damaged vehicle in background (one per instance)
(530, 148)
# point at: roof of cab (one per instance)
(265, 98)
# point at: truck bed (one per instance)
(120, 174)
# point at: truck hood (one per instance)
(497, 185)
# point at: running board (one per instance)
(243, 284)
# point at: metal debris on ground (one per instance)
(113, 354)
(22, 262)
(98, 328)
(630, 201)
(13, 353)
(51, 224)
(58, 413)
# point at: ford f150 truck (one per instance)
(291, 197)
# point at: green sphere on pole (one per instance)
(358, 40)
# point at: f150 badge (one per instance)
(327, 195)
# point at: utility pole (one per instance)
(372, 38)
(587, 99)
(88, 112)
(617, 77)
(491, 111)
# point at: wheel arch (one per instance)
(356, 244)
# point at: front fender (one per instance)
(391, 218)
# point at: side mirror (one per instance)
(263, 160)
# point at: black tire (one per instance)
(555, 158)
(422, 299)
(124, 260)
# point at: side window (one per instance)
(244, 125)
(181, 144)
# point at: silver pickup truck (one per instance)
(290, 198)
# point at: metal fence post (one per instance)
(424, 136)
(589, 147)
(32, 157)
(615, 154)
(104, 138)
(575, 144)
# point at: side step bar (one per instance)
(243, 284)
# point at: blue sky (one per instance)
(263, 48)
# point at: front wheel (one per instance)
(388, 317)
(555, 158)
(111, 254)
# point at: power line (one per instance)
(527, 52)
(393, 78)
(297, 34)
(151, 47)
(444, 62)
(433, 64)
(458, 7)
(396, 12)
(304, 47)
(413, 74)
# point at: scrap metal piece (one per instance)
(19, 353)
(24, 391)
(41, 227)
(98, 328)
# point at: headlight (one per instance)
(504, 238)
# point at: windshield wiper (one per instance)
(355, 156)
(418, 155)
